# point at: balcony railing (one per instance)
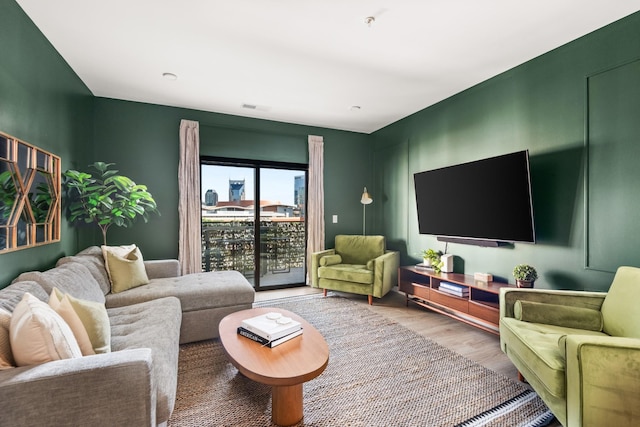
(230, 245)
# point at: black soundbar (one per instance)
(475, 242)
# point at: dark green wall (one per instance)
(612, 172)
(42, 102)
(540, 106)
(143, 141)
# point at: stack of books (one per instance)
(454, 289)
(424, 266)
(270, 329)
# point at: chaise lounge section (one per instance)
(205, 298)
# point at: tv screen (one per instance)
(488, 200)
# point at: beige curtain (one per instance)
(189, 208)
(315, 199)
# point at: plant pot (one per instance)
(426, 262)
(524, 283)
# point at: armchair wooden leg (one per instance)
(370, 299)
(521, 378)
(324, 292)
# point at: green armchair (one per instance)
(358, 265)
(580, 351)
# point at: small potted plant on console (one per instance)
(431, 258)
(525, 275)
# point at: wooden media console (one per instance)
(477, 305)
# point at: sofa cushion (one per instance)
(63, 307)
(559, 315)
(12, 294)
(95, 264)
(359, 249)
(195, 291)
(6, 357)
(38, 334)
(155, 325)
(620, 307)
(347, 272)
(159, 268)
(125, 268)
(537, 345)
(72, 278)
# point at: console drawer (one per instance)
(484, 312)
(456, 303)
(414, 289)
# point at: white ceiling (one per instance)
(307, 61)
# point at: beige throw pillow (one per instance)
(39, 335)
(63, 307)
(6, 357)
(95, 319)
(116, 250)
(126, 269)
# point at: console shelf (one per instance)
(478, 307)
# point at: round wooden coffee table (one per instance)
(285, 367)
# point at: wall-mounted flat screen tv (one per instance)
(484, 202)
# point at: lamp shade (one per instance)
(366, 198)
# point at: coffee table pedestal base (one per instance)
(286, 404)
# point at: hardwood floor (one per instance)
(473, 343)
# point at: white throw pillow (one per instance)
(63, 307)
(38, 334)
(6, 357)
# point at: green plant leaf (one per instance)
(107, 198)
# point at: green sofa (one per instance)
(580, 351)
(358, 264)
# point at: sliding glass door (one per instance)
(264, 240)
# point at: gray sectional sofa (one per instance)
(135, 383)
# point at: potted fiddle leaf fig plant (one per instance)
(525, 275)
(431, 258)
(106, 198)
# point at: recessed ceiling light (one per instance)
(255, 107)
(169, 76)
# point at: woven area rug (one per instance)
(379, 374)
